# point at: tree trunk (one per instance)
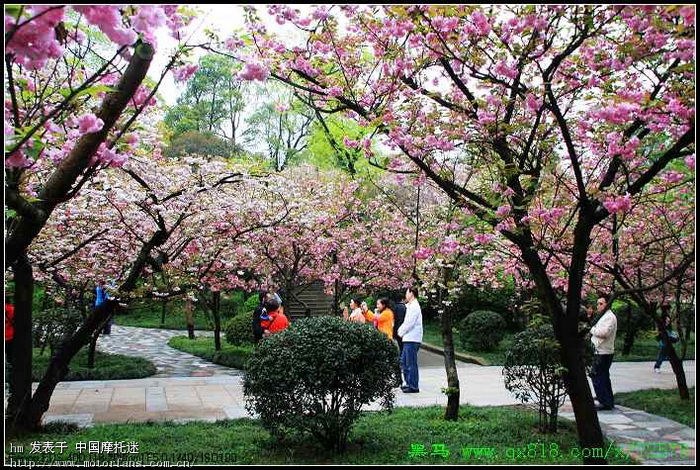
(676, 363)
(565, 323)
(20, 353)
(689, 316)
(453, 392)
(31, 412)
(630, 332)
(93, 348)
(53, 192)
(216, 310)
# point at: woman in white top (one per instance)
(356, 312)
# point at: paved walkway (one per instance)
(188, 389)
(153, 345)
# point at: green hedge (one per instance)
(107, 367)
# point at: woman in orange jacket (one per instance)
(385, 318)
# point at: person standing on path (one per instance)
(399, 316)
(603, 338)
(663, 351)
(356, 314)
(411, 332)
(384, 317)
(101, 296)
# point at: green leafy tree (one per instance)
(212, 102)
(279, 127)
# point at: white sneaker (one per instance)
(658, 371)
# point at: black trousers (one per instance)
(600, 374)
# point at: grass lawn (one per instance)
(107, 366)
(149, 315)
(377, 438)
(230, 356)
(644, 349)
(664, 403)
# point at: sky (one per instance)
(222, 18)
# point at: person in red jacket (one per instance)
(275, 321)
(9, 329)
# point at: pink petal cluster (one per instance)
(254, 71)
(618, 204)
(233, 43)
(185, 73)
(334, 91)
(89, 123)
(449, 246)
(423, 253)
(17, 160)
(483, 238)
(148, 19)
(672, 177)
(35, 42)
(690, 161)
(109, 156)
(108, 19)
(503, 211)
(481, 22)
(617, 113)
(350, 143)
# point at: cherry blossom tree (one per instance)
(529, 98)
(73, 91)
(648, 250)
(132, 223)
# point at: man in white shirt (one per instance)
(603, 338)
(411, 333)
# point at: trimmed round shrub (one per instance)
(481, 330)
(533, 372)
(315, 376)
(239, 330)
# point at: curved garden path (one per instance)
(152, 344)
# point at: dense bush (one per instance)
(315, 377)
(239, 330)
(534, 374)
(481, 330)
(502, 300)
(200, 143)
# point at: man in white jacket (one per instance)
(411, 332)
(603, 338)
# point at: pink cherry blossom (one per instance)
(108, 19)
(618, 204)
(254, 71)
(88, 123)
(690, 162)
(17, 160)
(423, 253)
(185, 72)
